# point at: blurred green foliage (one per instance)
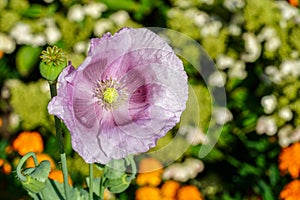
(243, 164)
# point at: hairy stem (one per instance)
(91, 171)
(59, 138)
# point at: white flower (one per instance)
(183, 3)
(217, 79)
(102, 26)
(224, 61)
(76, 13)
(189, 169)
(283, 135)
(48, 1)
(288, 136)
(81, 47)
(290, 67)
(252, 47)
(273, 73)
(266, 125)
(194, 135)
(234, 29)
(233, 5)
(14, 120)
(7, 44)
(287, 11)
(38, 40)
(53, 34)
(266, 33)
(119, 17)
(269, 35)
(21, 32)
(285, 113)
(207, 2)
(269, 103)
(94, 9)
(273, 44)
(238, 70)
(200, 18)
(221, 115)
(295, 54)
(211, 28)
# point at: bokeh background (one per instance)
(255, 45)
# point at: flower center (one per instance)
(110, 95)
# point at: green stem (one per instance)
(133, 167)
(102, 188)
(91, 181)
(59, 138)
(102, 180)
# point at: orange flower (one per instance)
(169, 189)
(108, 195)
(1, 122)
(150, 172)
(1, 54)
(148, 193)
(40, 157)
(289, 160)
(294, 2)
(189, 192)
(8, 149)
(6, 167)
(28, 141)
(291, 191)
(58, 176)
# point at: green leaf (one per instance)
(247, 169)
(128, 5)
(96, 185)
(55, 190)
(266, 191)
(26, 59)
(35, 10)
(274, 175)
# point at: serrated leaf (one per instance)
(96, 184)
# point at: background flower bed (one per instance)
(255, 45)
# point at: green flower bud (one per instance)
(36, 178)
(53, 62)
(118, 185)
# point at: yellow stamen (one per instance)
(110, 95)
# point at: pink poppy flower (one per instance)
(129, 91)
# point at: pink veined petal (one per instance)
(60, 104)
(89, 148)
(156, 84)
(124, 41)
(94, 70)
(116, 145)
